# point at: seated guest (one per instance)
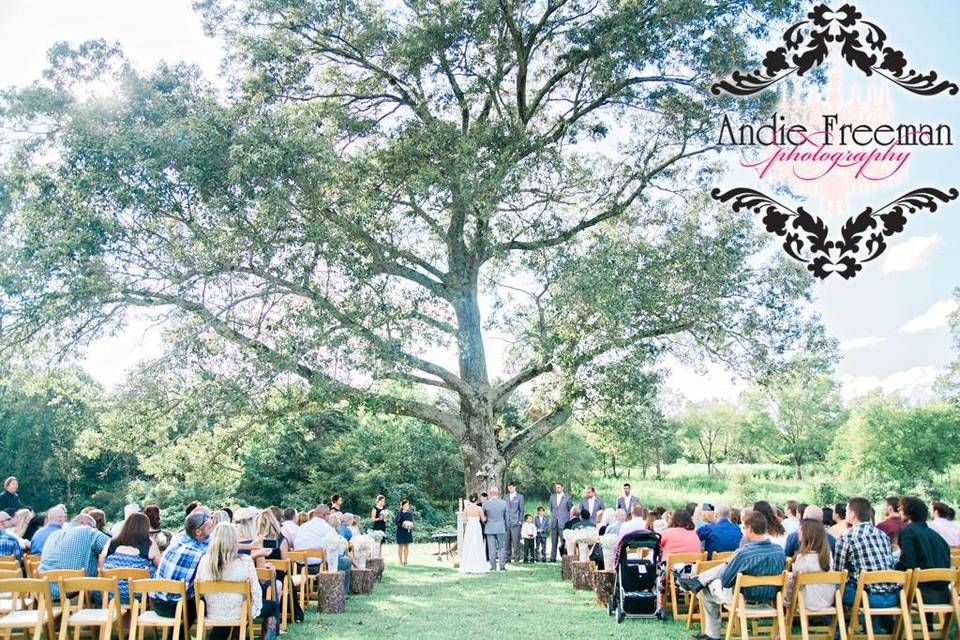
(735, 518)
(245, 521)
(791, 521)
(343, 560)
(311, 534)
(9, 543)
(635, 523)
(574, 519)
(128, 510)
(223, 563)
(892, 524)
(56, 517)
(943, 523)
(180, 562)
(775, 530)
(865, 548)
(619, 517)
(584, 521)
(679, 537)
(302, 518)
(346, 520)
(760, 557)
(840, 520)
(813, 555)
(132, 548)
(99, 519)
(721, 536)
(157, 533)
(289, 524)
(793, 540)
(37, 522)
(828, 517)
(922, 548)
(605, 521)
(18, 525)
(76, 546)
(270, 532)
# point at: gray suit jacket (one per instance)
(627, 505)
(496, 511)
(597, 506)
(559, 513)
(514, 510)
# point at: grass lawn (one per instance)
(429, 600)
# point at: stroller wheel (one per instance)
(619, 615)
(610, 606)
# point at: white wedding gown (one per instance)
(473, 555)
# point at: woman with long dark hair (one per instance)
(132, 549)
(775, 530)
(404, 522)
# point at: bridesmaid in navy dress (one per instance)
(404, 535)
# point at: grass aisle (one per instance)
(429, 600)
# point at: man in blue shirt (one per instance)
(759, 558)
(9, 545)
(180, 562)
(722, 535)
(56, 517)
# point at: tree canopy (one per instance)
(380, 190)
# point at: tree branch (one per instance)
(535, 431)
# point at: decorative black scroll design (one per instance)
(806, 237)
(803, 51)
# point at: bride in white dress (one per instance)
(473, 555)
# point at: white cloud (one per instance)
(861, 343)
(935, 317)
(911, 254)
(915, 384)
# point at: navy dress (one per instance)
(404, 536)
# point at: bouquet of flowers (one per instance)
(609, 541)
(407, 524)
(386, 514)
(375, 535)
(362, 544)
(335, 544)
(586, 535)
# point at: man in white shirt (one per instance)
(627, 500)
(792, 520)
(289, 527)
(637, 522)
(591, 503)
(311, 534)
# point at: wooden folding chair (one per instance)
(742, 613)
(722, 556)
(945, 613)
(857, 629)
(955, 557)
(53, 577)
(7, 601)
(82, 616)
(798, 606)
(308, 582)
(9, 563)
(268, 575)
(39, 619)
(287, 568)
(31, 565)
(696, 603)
(142, 617)
(244, 624)
(125, 576)
(678, 608)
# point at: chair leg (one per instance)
(804, 625)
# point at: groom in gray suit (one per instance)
(495, 509)
(514, 502)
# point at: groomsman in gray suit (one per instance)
(560, 505)
(591, 503)
(627, 500)
(514, 522)
(495, 510)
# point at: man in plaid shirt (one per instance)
(9, 545)
(180, 562)
(865, 548)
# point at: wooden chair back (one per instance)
(140, 594)
(679, 600)
(722, 556)
(37, 593)
(860, 623)
(742, 614)
(798, 606)
(934, 619)
(288, 569)
(244, 624)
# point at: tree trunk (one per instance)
(799, 463)
(613, 464)
(483, 464)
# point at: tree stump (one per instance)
(565, 567)
(330, 595)
(361, 580)
(376, 565)
(603, 583)
(582, 573)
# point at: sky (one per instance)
(890, 320)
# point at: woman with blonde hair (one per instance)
(223, 563)
(21, 520)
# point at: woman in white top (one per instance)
(222, 562)
(813, 556)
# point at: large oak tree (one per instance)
(372, 193)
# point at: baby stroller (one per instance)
(637, 581)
